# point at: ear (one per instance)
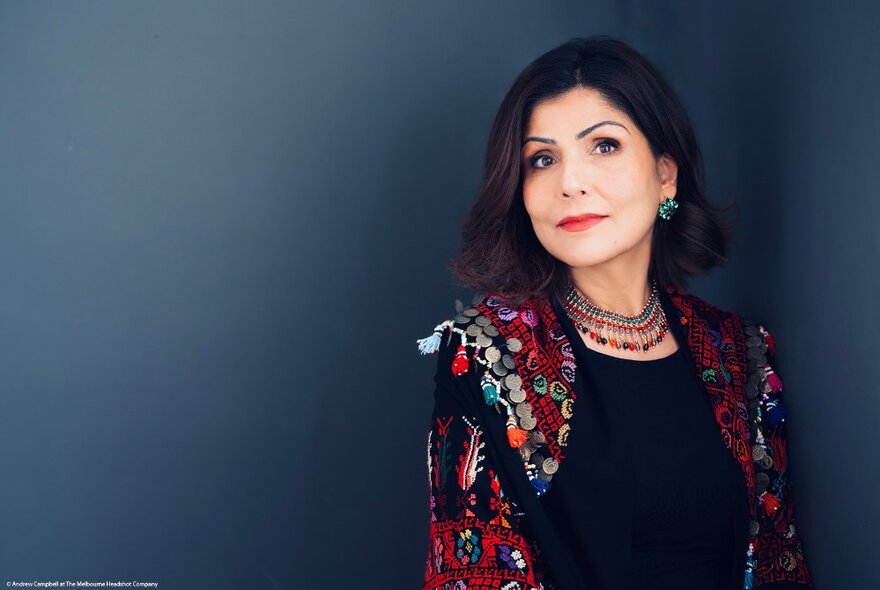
(667, 173)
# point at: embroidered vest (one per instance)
(527, 369)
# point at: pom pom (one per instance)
(773, 380)
(540, 485)
(460, 362)
(771, 345)
(516, 436)
(490, 389)
(775, 413)
(771, 503)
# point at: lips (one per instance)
(581, 222)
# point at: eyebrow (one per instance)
(580, 135)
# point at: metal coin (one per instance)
(460, 319)
(493, 355)
(550, 465)
(523, 409)
(528, 422)
(482, 320)
(751, 390)
(483, 340)
(491, 330)
(513, 381)
(753, 407)
(478, 298)
(750, 329)
(474, 330)
(514, 345)
(758, 453)
(517, 395)
(537, 437)
(524, 452)
(767, 462)
(753, 528)
(499, 369)
(470, 312)
(537, 459)
(459, 306)
(508, 361)
(545, 476)
(754, 341)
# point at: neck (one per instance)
(624, 295)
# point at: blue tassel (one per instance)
(540, 485)
(774, 412)
(431, 344)
(748, 581)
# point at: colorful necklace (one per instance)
(638, 333)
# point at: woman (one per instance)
(575, 440)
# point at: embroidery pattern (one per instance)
(528, 372)
(546, 367)
(744, 393)
(476, 541)
(531, 382)
(777, 555)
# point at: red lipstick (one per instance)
(580, 222)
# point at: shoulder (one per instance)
(709, 311)
(753, 330)
(688, 301)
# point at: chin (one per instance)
(580, 261)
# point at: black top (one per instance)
(645, 445)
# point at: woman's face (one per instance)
(580, 156)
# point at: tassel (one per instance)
(771, 345)
(490, 389)
(431, 344)
(460, 362)
(749, 580)
(771, 503)
(773, 380)
(516, 436)
(540, 485)
(775, 413)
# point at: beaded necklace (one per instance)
(638, 333)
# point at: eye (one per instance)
(610, 143)
(537, 158)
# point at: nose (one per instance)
(572, 179)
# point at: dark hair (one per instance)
(500, 251)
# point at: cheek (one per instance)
(532, 206)
(537, 206)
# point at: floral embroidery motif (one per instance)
(468, 546)
(510, 558)
(438, 554)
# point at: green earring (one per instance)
(667, 208)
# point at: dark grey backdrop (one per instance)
(208, 209)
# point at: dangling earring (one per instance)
(667, 208)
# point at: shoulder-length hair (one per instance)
(500, 251)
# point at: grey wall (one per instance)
(207, 208)
(784, 98)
